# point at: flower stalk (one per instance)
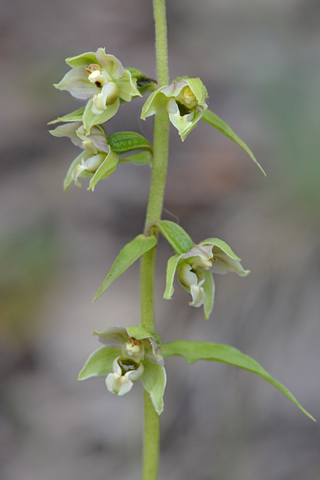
(154, 210)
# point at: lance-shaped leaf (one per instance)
(176, 236)
(220, 125)
(127, 256)
(154, 381)
(99, 363)
(123, 142)
(193, 351)
(75, 116)
(142, 158)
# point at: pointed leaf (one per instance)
(154, 381)
(171, 270)
(176, 236)
(193, 351)
(209, 290)
(127, 256)
(99, 363)
(220, 125)
(107, 167)
(123, 142)
(142, 158)
(75, 116)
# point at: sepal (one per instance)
(99, 363)
(154, 381)
(75, 116)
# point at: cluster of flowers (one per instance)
(132, 354)
(102, 81)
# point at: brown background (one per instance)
(260, 63)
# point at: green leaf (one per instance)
(154, 381)
(220, 125)
(127, 256)
(107, 167)
(68, 180)
(99, 363)
(123, 142)
(142, 158)
(193, 351)
(75, 116)
(209, 290)
(176, 236)
(171, 270)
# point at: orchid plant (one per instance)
(131, 354)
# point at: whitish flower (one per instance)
(183, 100)
(100, 76)
(96, 152)
(193, 271)
(125, 359)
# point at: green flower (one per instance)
(193, 271)
(102, 79)
(183, 100)
(96, 160)
(125, 359)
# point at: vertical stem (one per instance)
(154, 210)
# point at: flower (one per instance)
(183, 100)
(96, 157)
(129, 354)
(193, 271)
(102, 79)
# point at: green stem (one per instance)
(154, 210)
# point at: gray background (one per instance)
(260, 63)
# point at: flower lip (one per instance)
(127, 365)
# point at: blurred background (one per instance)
(260, 63)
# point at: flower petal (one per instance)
(113, 336)
(77, 83)
(107, 166)
(99, 363)
(83, 59)
(127, 87)
(97, 136)
(120, 385)
(110, 63)
(171, 270)
(154, 381)
(68, 130)
(209, 290)
(90, 119)
(156, 103)
(198, 295)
